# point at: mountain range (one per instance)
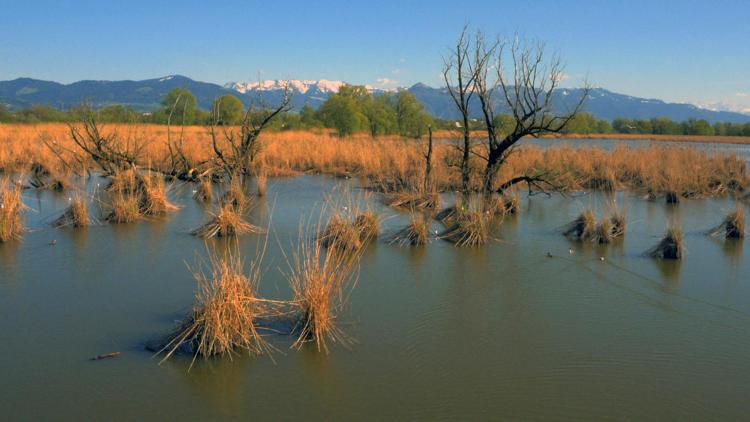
(146, 95)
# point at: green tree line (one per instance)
(355, 110)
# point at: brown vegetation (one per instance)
(226, 222)
(77, 214)
(11, 206)
(417, 232)
(733, 226)
(224, 319)
(671, 245)
(319, 278)
(389, 161)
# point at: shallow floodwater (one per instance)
(501, 331)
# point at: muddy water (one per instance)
(502, 331)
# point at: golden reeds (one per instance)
(125, 207)
(471, 229)
(583, 227)
(586, 228)
(417, 232)
(733, 226)
(76, 215)
(224, 319)
(11, 206)
(671, 245)
(226, 222)
(319, 278)
(680, 171)
(340, 233)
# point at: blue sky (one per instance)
(688, 51)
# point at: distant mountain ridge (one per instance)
(146, 95)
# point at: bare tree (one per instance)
(242, 145)
(459, 80)
(107, 150)
(526, 88)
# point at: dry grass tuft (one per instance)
(77, 214)
(368, 226)
(671, 246)
(153, 196)
(125, 207)
(11, 206)
(583, 227)
(617, 221)
(224, 319)
(733, 226)
(471, 229)
(341, 234)
(319, 278)
(503, 205)
(416, 233)
(227, 222)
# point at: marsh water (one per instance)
(503, 331)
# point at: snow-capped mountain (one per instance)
(322, 86)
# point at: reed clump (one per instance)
(733, 226)
(416, 233)
(341, 234)
(224, 319)
(319, 278)
(585, 227)
(671, 245)
(471, 229)
(11, 207)
(368, 226)
(124, 207)
(153, 196)
(228, 221)
(76, 215)
(503, 205)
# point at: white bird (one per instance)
(601, 258)
(570, 251)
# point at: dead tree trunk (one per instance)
(526, 91)
(459, 80)
(428, 162)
